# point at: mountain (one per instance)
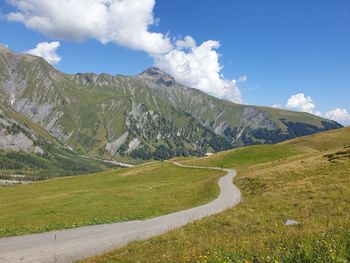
(145, 116)
(28, 152)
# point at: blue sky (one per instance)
(284, 48)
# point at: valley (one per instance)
(304, 179)
(179, 131)
(73, 142)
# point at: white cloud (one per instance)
(277, 106)
(199, 67)
(124, 22)
(243, 78)
(338, 114)
(47, 51)
(302, 103)
(187, 42)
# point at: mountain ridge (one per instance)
(145, 116)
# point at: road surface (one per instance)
(77, 243)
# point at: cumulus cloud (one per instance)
(277, 106)
(243, 78)
(338, 114)
(303, 103)
(124, 22)
(300, 102)
(199, 67)
(187, 42)
(47, 51)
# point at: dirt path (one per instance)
(74, 244)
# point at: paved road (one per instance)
(73, 244)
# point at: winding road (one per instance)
(77, 243)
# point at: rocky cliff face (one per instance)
(28, 152)
(145, 116)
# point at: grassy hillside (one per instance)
(247, 156)
(146, 191)
(292, 116)
(243, 156)
(306, 179)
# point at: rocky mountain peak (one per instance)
(6, 54)
(23, 57)
(5, 49)
(158, 76)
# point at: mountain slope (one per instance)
(28, 152)
(144, 116)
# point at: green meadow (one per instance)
(145, 191)
(306, 179)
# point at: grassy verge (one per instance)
(312, 187)
(245, 156)
(146, 191)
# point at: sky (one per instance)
(292, 54)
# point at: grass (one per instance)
(146, 191)
(277, 114)
(244, 156)
(312, 186)
(258, 154)
(322, 141)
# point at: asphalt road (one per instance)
(77, 243)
